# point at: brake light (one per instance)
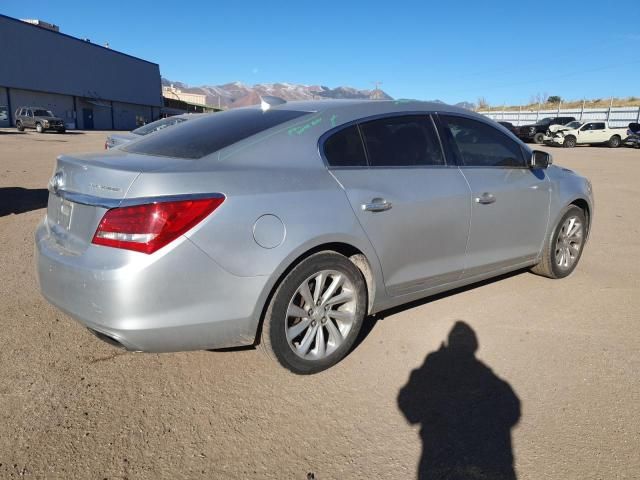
(149, 227)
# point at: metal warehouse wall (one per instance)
(34, 58)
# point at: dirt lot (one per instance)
(560, 358)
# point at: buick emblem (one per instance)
(57, 182)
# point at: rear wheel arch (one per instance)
(357, 257)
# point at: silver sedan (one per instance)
(285, 225)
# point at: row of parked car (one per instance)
(568, 132)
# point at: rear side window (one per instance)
(598, 126)
(402, 142)
(345, 149)
(477, 144)
(203, 136)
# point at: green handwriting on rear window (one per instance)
(300, 129)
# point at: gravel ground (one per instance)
(554, 382)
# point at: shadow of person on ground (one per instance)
(19, 200)
(465, 411)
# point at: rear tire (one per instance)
(19, 126)
(569, 142)
(309, 326)
(538, 138)
(615, 141)
(563, 247)
(39, 128)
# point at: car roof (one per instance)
(375, 106)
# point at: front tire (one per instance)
(538, 138)
(315, 314)
(19, 126)
(39, 128)
(569, 142)
(615, 141)
(563, 248)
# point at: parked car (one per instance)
(285, 226)
(590, 133)
(633, 136)
(535, 132)
(116, 139)
(509, 126)
(38, 118)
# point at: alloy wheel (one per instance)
(569, 242)
(321, 314)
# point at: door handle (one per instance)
(486, 198)
(376, 205)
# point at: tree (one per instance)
(483, 104)
(539, 98)
(554, 99)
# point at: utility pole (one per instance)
(376, 93)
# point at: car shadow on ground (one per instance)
(465, 413)
(16, 200)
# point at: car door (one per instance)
(28, 121)
(600, 135)
(414, 208)
(586, 134)
(510, 207)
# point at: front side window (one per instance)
(29, 113)
(477, 144)
(405, 141)
(588, 126)
(345, 149)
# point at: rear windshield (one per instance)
(199, 137)
(157, 125)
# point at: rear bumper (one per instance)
(173, 300)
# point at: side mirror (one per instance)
(540, 159)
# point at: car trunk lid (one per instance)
(84, 187)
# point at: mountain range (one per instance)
(237, 94)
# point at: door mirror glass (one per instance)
(540, 159)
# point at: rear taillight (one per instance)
(149, 227)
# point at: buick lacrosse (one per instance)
(284, 225)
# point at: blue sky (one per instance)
(500, 50)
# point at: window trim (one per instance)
(357, 122)
(526, 153)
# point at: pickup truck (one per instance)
(589, 133)
(536, 131)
